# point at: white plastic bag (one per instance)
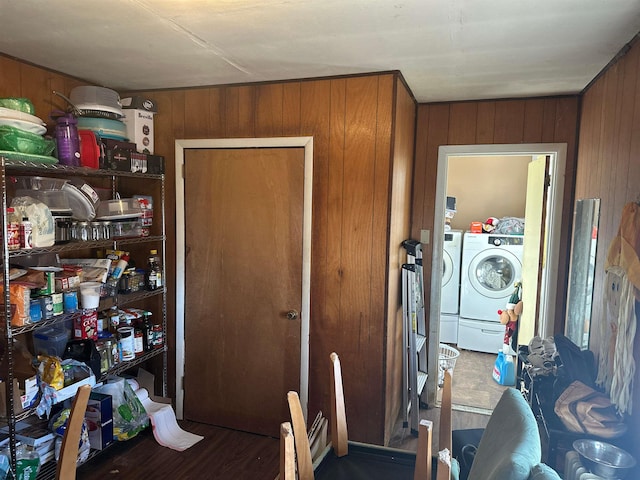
(44, 230)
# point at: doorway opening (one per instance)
(183, 147)
(546, 244)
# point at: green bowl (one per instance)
(21, 104)
(16, 140)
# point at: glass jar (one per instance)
(96, 231)
(106, 230)
(83, 232)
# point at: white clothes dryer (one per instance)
(491, 264)
(450, 290)
(451, 257)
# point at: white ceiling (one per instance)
(445, 49)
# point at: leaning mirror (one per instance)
(581, 271)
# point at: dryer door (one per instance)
(447, 268)
(493, 272)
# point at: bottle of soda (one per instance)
(13, 229)
(26, 230)
(147, 330)
(153, 279)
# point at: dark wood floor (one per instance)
(223, 454)
(229, 454)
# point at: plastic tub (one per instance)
(119, 209)
(126, 228)
(90, 294)
(56, 200)
(50, 341)
(38, 183)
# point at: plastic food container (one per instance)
(119, 209)
(50, 341)
(56, 200)
(90, 294)
(126, 228)
(38, 183)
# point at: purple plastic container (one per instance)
(67, 140)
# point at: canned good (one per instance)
(70, 301)
(35, 310)
(126, 342)
(58, 308)
(46, 304)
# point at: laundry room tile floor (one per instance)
(474, 395)
(473, 385)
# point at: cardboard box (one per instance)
(99, 419)
(140, 128)
(128, 161)
(155, 164)
(25, 393)
(34, 432)
(146, 380)
(140, 103)
(125, 161)
(70, 391)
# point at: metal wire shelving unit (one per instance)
(17, 164)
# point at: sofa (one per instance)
(509, 447)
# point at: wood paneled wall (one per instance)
(399, 228)
(351, 121)
(609, 169)
(361, 204)
(536, 120)
(18, 79)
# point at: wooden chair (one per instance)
(354, 460)
(287, 453)
(444, 438)
(68, 459)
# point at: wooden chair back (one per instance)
(424, 453)
(339, 434)
(300, 436)
(68, 459)
(444, 437)
(287, 453)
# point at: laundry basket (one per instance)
(446, 360)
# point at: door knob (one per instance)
(292, 314)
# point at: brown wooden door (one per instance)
(243, 213)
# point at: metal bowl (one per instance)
(604, 459)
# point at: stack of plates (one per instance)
(104, 127)
(23, 121)
(101, 111)
(31, 125)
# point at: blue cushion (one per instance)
(543, 472)
(510, 445)
(455, 469)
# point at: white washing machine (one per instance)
(450, 290)
(491, 264)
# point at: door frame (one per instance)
(558, 154)
(241, 143)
